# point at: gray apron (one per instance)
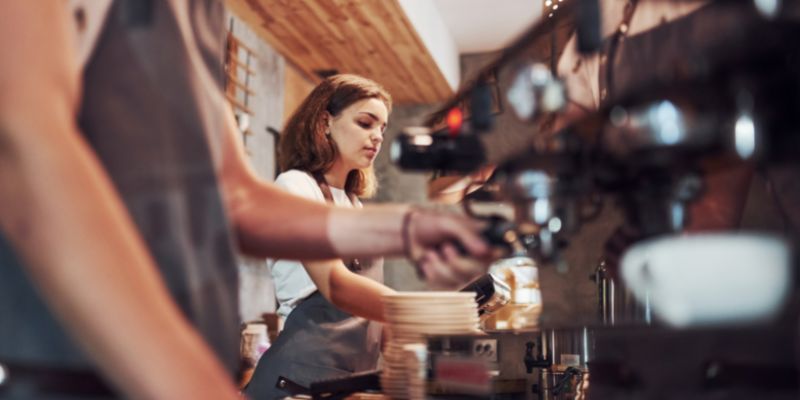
(149, 114)
(319, 341)
(153, 112)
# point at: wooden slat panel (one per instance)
(241, 85)
(241, 65)
(373, 38)
(240, 44)
(237, 104)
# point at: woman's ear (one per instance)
(327, 118)
(326, 124)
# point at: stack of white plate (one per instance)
(410, 318)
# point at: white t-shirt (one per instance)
(292, 283)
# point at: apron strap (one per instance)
(607, 68)
(326, 189)
(354, 264)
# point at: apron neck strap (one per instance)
(326, 189)
(613, 46)
(354, 264)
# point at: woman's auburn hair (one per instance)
(304, 144)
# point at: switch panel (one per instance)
(485, 349)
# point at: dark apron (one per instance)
(319, 341)
(153, 113)
(679, 51)
(153, 123)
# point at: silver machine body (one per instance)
(733, 90)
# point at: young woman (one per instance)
(327, 153)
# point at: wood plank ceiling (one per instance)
(372, 38)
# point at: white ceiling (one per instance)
(487, 25)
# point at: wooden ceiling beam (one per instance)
(373, 38)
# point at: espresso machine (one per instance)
(679, 315)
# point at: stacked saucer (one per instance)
(410, 318)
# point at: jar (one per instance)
(255, 342)
(521, 275)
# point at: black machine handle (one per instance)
(499, 232)
(340, 388)
(532, 362)
(293, 388)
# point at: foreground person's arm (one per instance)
(63, 217)
(273, 223)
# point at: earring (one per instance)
(328, 133)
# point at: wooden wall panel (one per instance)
(373, 38)
(295, 89)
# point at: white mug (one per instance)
(711, 278)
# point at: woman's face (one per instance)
(358, 133)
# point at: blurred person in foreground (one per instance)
(123, 189)
(594, 79)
